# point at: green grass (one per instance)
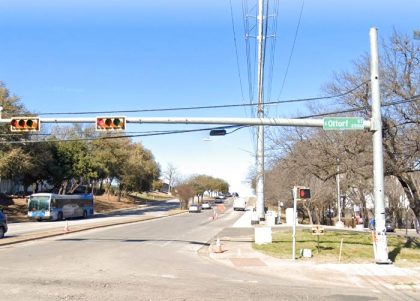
(357, 247)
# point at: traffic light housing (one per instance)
(25, 124)
(303, 193)
(110, 123)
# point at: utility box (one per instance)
(289, 216)
(270, 218)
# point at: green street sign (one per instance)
(343, 123)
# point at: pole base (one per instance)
(384, 262)
(339, 224)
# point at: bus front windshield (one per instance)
(38, 203)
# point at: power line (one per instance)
(273, 37)
(293, 48)
(208, 107)
(246, 14)
(247, 31)
(236, 51)
(414, 98)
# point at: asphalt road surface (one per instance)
(157, 208)
(161, 259)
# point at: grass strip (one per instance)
(357, 247)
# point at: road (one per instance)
(160, 259)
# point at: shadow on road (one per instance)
(135, 240)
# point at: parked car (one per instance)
(206, 206)
(194, 208)
(3, 223)
(389, 226)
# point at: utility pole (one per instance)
(378, 159)
(260, 128)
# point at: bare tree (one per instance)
(170, 174)
(316, 152)
(400, 79)
(184, 192)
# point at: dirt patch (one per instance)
(16, 209)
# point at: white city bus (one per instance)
(50, 206)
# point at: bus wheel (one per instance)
(85, 214)
(1, 232)
(60, 216)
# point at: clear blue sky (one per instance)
(67, 56)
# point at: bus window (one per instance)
(38, 203)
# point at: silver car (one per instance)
(206, 206)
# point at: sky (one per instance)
(78, 56)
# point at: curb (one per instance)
(75, 229)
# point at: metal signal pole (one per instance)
(339, 223)
(260, 129)
(378, 158)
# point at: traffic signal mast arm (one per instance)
(201, 120)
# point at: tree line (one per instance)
(79, 159)
(196, 186)
(87, 159)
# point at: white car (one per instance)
(194, 208)
(206, 206)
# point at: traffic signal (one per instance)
(303, 193)
(25, 124)
(110, 123)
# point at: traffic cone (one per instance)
(66, 226)
(218, 247)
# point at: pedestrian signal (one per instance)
(25, 124)
(110, 123)
(304, 193)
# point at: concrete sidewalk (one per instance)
(237, 252)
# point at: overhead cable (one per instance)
(209, 107)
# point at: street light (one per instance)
(218, 132)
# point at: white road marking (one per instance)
(170, 276)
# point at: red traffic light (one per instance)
(110, 123)
(25, 124)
